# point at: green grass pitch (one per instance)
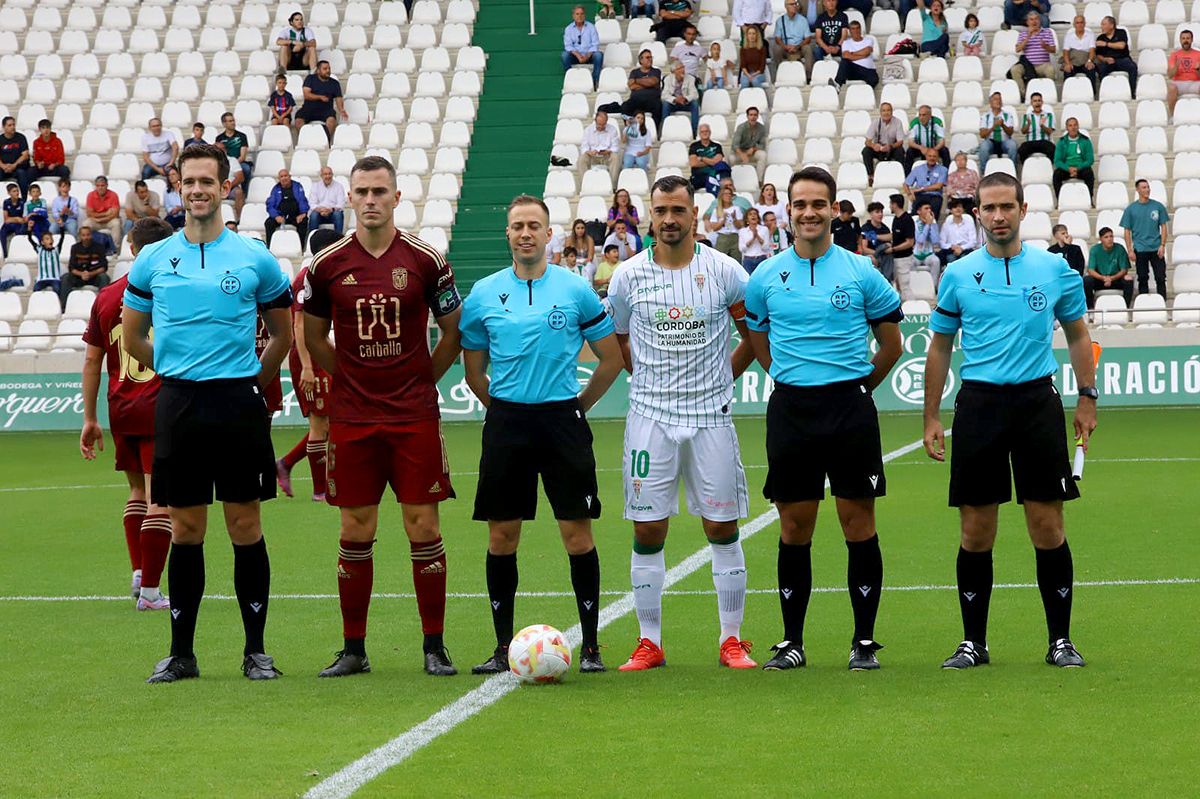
(77, 720)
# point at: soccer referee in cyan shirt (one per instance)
(202, 289)
(530, 321)
(1005, 299)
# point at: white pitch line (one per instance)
(569, 595)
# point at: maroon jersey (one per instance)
(132, 387)
(273, 391)
(380, 312)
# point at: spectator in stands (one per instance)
(1016, 12)
(287, 205)
(1073, 158)
(605, 10)
(622, 210)
(962, 183)
(139, 204)
(1145, 222)
(49, 272)
(1071, 252)
(237, 147)
(690, 53)
(1183, 71)
(847, 232)
(64, 212)
(327, 200)
(1113, 54)
(899, 250)
(876, 237)
(971, 40)
(926, 132)
(1107, 268)
(159, 150)
(87, 265)
(753, 241)
(627, 243)
(724, 222)
(297, 45)
(959, 234)
(173, 210)
(885, 141)
(750, 142)
(14, 155)
(778, 239)
(1079, 51)
(581, 241)
(1038, 127)
(103, 212)
(679, 93)
(752, 59)
(741, 202)
(322, 92)
(1035, 47)
(792, 39)
(604, 270)
(197, 136)
(769, 202)
(49, 160)
(581, 44)
(927, 241)
(635, 8)
(832, 29)
(925, 184)
(601, 147)
(570, 261)
(673, 16)
(281, 105)
(638, 143)
(858, 58)
(707, 160)
(935, 31)
(749, 14)
(717, 69)
(37, 213)
(645, 89)
(996, 126)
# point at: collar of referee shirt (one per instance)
(1009, 262)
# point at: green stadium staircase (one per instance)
(514, 127)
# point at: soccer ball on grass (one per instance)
(539, 654)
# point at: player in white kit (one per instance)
(672, 305)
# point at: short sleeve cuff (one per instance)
(598, 328)
(939, 322)
(136, 301)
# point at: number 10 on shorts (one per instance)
(639, 462)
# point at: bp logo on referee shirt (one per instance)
(840, 299)
(230, 284)
(556, 319)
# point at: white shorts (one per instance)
(707, 458)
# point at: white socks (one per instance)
(729, 578)
(647, 573)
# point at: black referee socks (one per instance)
(1056, 578)
(864, 575)
(252, 584)
(185, 583)
(794, 569)
(585, 579)
(974, 593)
(502, 591)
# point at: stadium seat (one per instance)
(1110, 311)
(921, 286)
(1078, 224)
(1149, 311)
(1074, 197)
(286, 244)
(79, 304)
(33, 336)
(10, 303)
(1185, 310)
(44, 305)
(69, 336)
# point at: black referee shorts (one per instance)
(212, 434)
(814, 432)
(994, 424)
(521, 442)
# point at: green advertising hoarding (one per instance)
(1127, 376)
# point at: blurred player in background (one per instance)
(132, 390)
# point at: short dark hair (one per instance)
(141, 184)
(1001, 179)
(370, 163)
(1054, 230)
(896, 199)
(320, 239)
(6, 120)
(43, 123)
(846, 207)
(64, 182)
(670, 183)
(1034, 94)
(873, 207)
(12, 186)
(569, 251)
(924, 204)
(527, 199)
(814, 174)
(1140, 181)
(226, 115)
(611, 248)
(322, 61)
(620, 222)
(1104, 231)
(768, 213)
(753, 108)
(148, 230)
(197, 152)
(955, 202)
(198, 125)
(100, 178)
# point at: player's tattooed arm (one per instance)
(611, 361)
(743, 353)
(135, 336)
(937, 367)
(891, 345)
(475, 363)
(449, 345)
(91, 437)
(316, 338)
(279, 342)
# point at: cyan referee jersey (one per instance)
(533, 331)
(816, 313)
(1006, 309)
(203, 299)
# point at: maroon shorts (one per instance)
(134, 453)
(363, 459)
(322, 387)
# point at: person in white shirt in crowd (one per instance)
(858, 58)
(792, 39)
(769, 202)
(159, 150)
(751, 13)
(627, 243)
(927, 243)
(718, 70)
(326, 199)
(724, 223)
(1038, 126)
(754, 241)
(690, 53)
(959, 234)
(996, 126)
(601, 147)
(638, 143)
(680, 93)
(297, 45)
(1079, 51)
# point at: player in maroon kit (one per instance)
(272, 391)
(377, 287)
(132, 390)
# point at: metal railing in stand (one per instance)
(532, 25)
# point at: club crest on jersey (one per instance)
(400, 278)
(637, 488)
(700, 281)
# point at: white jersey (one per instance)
(679, 327)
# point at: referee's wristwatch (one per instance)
(1089, 391)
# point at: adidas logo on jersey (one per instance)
(349, 280)
(436, 487)
(434, 568)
